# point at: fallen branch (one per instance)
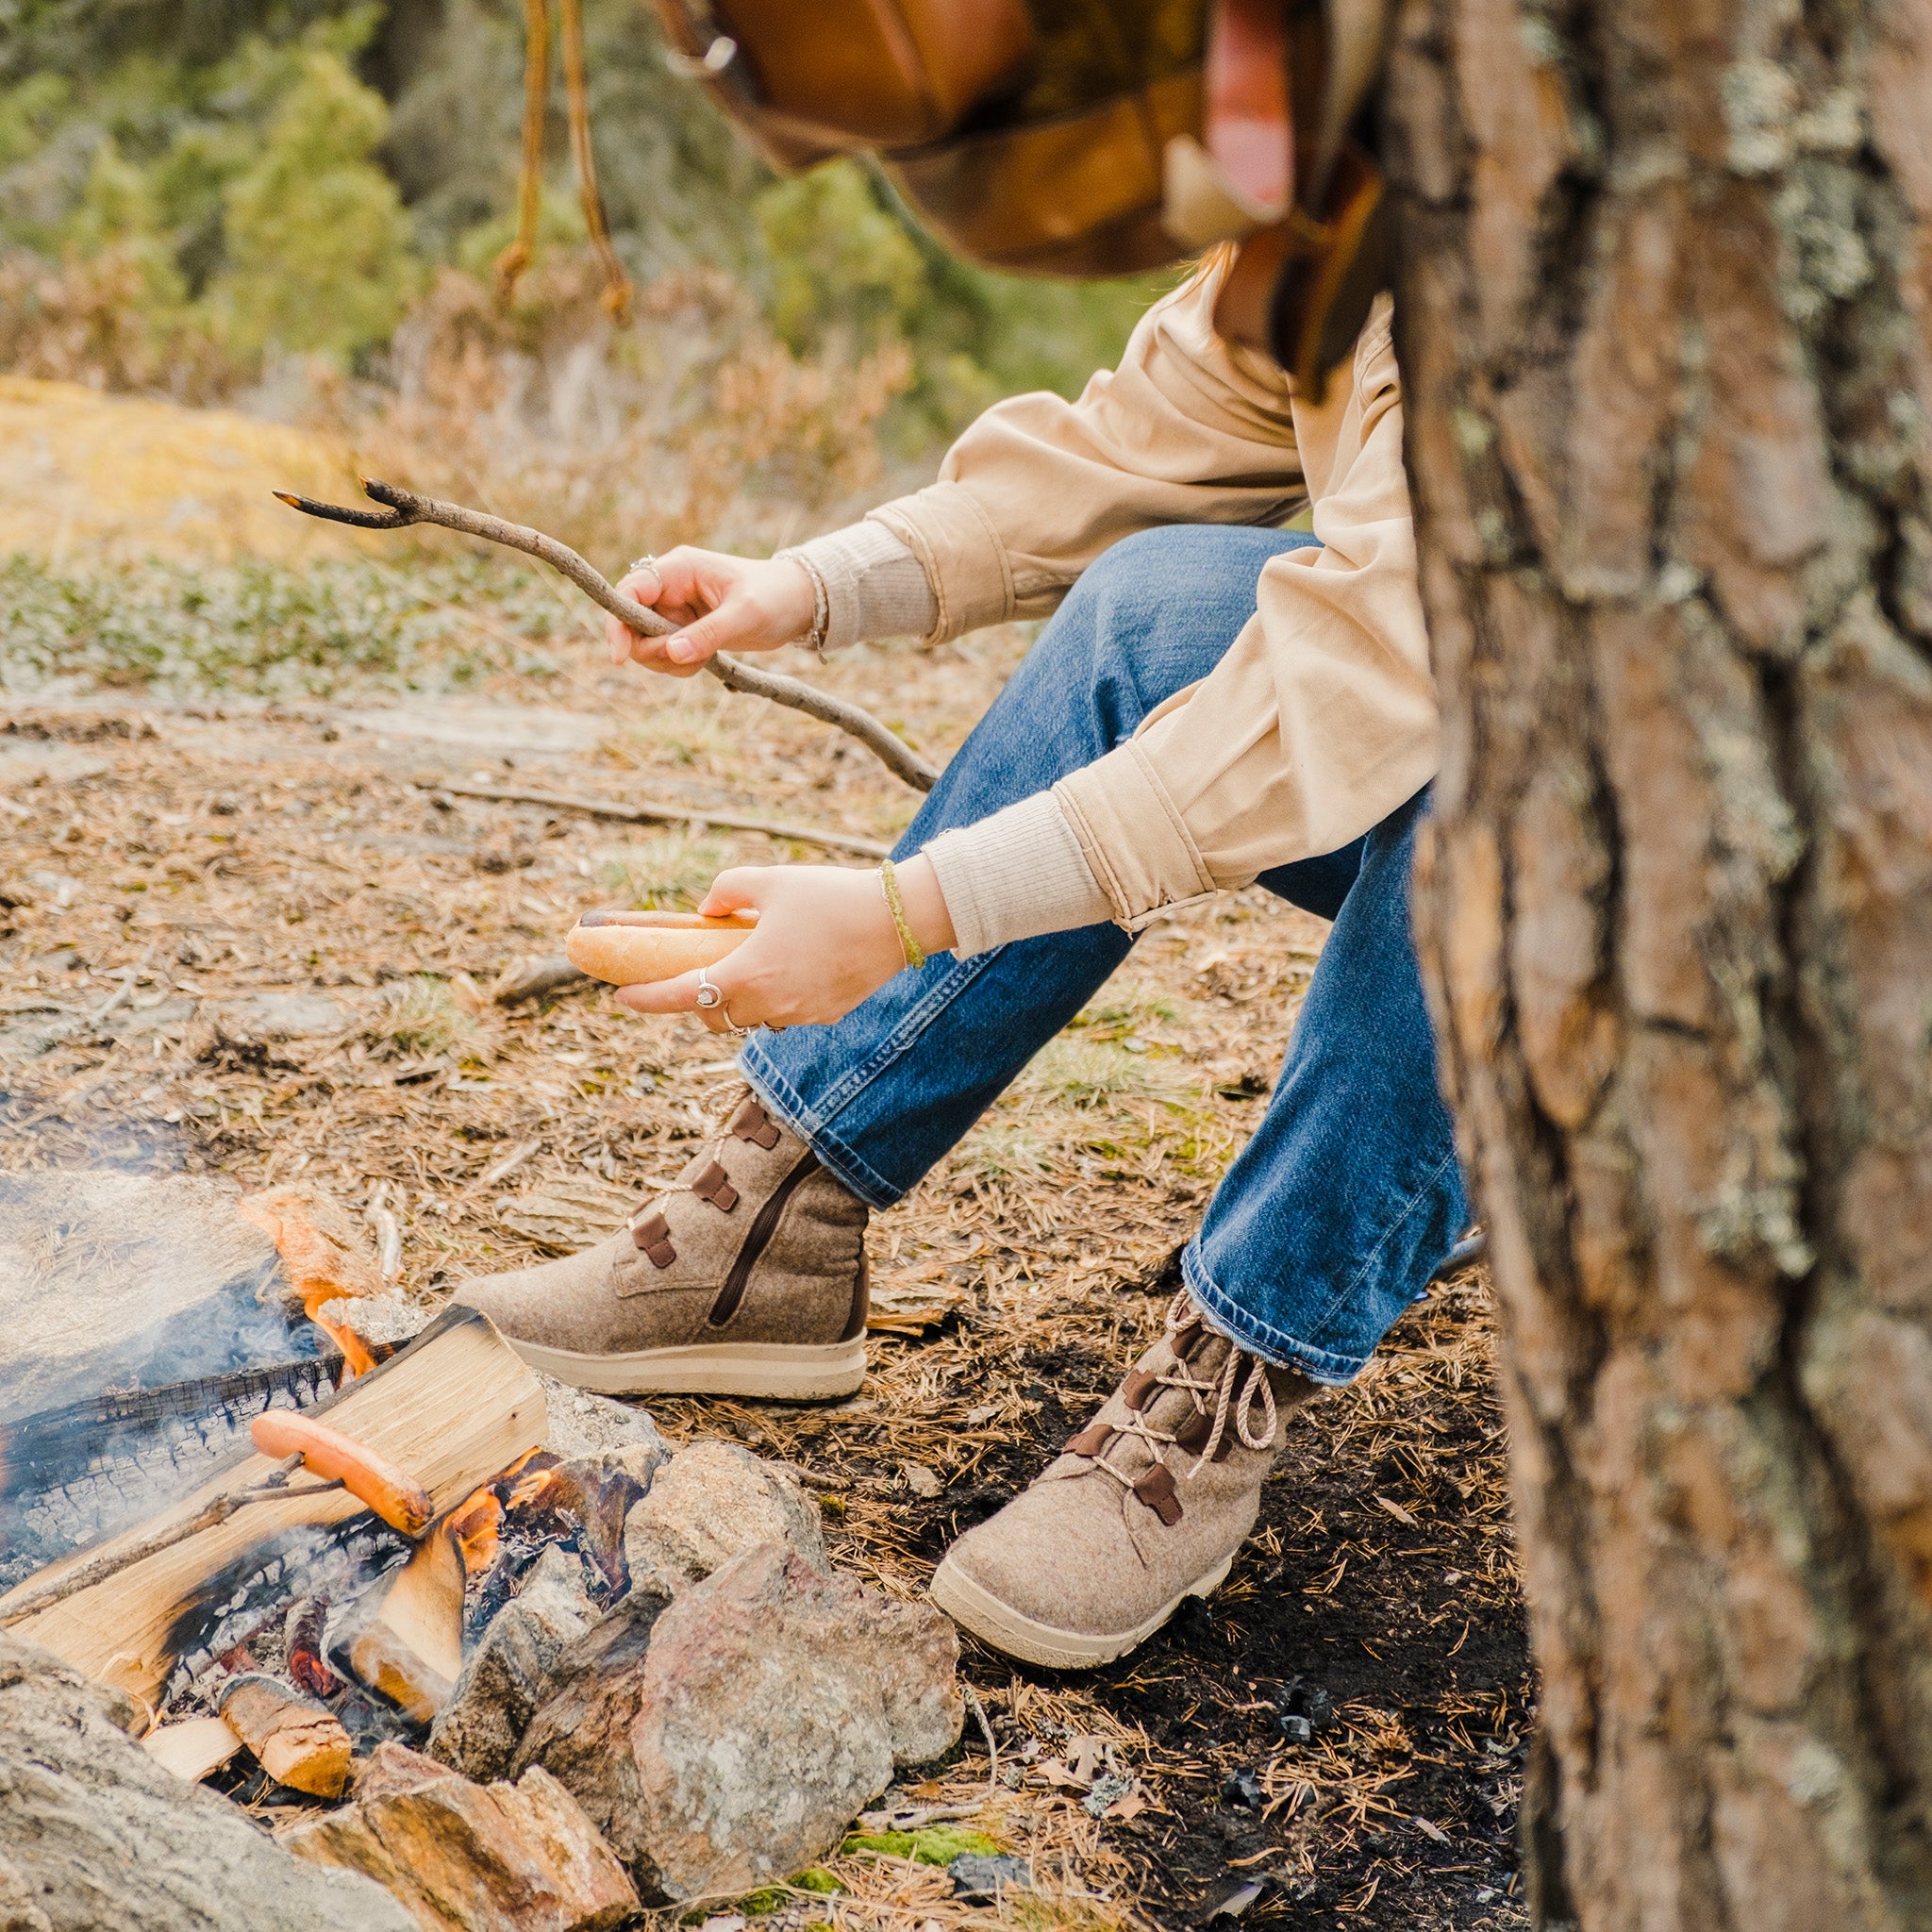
(650, 813)
(404, 508)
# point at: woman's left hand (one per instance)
(825, 939)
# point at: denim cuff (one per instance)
(1240, 1325)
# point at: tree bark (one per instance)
(1665, 322)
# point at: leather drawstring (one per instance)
(519, 254)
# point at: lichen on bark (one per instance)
(1665, 322)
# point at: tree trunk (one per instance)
(1665, 322)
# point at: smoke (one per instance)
(111, 1281)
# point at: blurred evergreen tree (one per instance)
(288, 171)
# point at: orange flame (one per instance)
(320, 1265)
(474, 1523)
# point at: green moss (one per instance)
(276, 630)
(939, 1844)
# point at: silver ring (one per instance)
(646, 562)
(707, 994)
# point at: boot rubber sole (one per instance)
(974, 1606)
(779, 1371)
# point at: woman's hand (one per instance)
(825, 939)
(723, 603)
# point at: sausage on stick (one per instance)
(401, 1502)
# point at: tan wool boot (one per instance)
(1146, 1506)
(745, 1276)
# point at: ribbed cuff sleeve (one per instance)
(874, 585)
(1017, 874)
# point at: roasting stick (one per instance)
(111, 1562)
(404, 508)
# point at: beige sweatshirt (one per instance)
(1318, 721)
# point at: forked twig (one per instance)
(404, 506)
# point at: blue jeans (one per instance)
(1333, 1217)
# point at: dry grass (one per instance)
(217, 855)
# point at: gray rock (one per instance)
(712, 1501)
(506, 1678)
(471, 1858)
(96, 1834)
(582, 1424)
(264, 1018)
(383, 1320)
(979, 1877)
(724, 1740)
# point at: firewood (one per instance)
(195, 1748)
(405, 1637)
(453, 1408)
(298, 1742)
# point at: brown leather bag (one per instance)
(808, 81)
(1084, 138)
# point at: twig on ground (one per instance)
(404, 508)
(992, 1750)
(651, 813)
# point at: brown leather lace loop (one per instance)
(1091, 1441)
(752, 1122)
(1156, 1489)
(713, 1184)
(652, 1234)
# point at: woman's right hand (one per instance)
(721, 603)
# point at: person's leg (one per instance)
(1329, 1223)
(885, 1092)
(1333, 1217)
(746, 1275)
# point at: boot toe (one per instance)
(1060, 1555)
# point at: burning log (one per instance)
(323, 1259)
(304, 1648)
(454, 1406)
(299, 1743)
(195, 1748)
(88, 1468)
(405, 1638)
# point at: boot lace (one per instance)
(1214, 1394)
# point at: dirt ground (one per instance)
(257, 941)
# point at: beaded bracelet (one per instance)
(888, 882)
(814, 640)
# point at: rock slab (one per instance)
(94, 1833)
(710, 1502)
(506, 1675)
(469, 1857)
(726, 1740)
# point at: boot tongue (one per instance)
(1173, 1411)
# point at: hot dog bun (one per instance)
(628, 948)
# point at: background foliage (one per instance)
(194, 194)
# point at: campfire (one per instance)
(336, 1551)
